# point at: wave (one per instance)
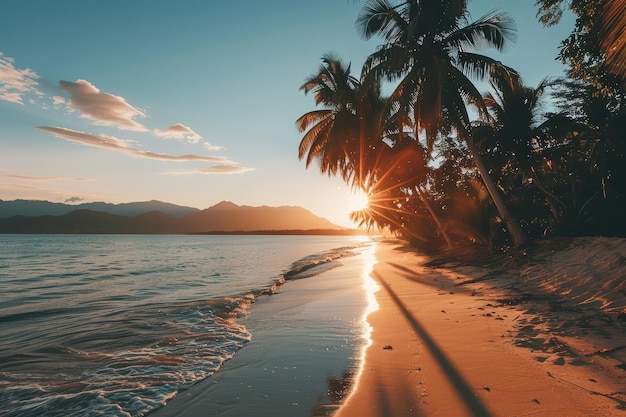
(118, 353)
(158, 355)
(317, 263)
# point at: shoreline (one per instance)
(306, 341)
(448, 338)
(453, 340)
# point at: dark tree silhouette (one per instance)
(430, 54)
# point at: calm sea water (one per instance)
(114, 325)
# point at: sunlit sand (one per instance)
(457, 340)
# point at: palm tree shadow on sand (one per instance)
(462, 388)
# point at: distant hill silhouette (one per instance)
(46, 208)
(225, 217)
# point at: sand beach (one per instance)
(544, 338)
(538, 333)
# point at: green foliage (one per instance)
(596, 35)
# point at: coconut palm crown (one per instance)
(429, 51)
(342, 134)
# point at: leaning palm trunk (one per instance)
(434, 216)
(519, 237)
(551, 199)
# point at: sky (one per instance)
(190, 102)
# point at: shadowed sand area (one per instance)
(541, 338)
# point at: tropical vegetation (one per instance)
(445, 164)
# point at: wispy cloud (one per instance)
(178, 131)
(36, 178)
(30, 191)
(15, 83)
(214, 170)
(102, 108)
(115, 144)
(21, 86)
(58, 101)
(209, 147)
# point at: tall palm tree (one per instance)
(429, 53)
(346, 136)
(332, 134)
(351, 124)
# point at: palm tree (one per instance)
(429, 53)
(332, 131)
(342, 135)
(515, 135)
(346, 137)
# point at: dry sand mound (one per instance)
(571, 295)
(588, 272)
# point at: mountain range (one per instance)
(46, 208)
(155, 217)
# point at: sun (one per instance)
(357, 201)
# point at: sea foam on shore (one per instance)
(306, 343)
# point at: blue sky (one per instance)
(189, 102)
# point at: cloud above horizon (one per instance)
(36, 178)
(214, 170)
(31, 191)
(184, 133)
(102, 109)
(119, 145)
(178, 131)
(15, 83)
(20, 86)
(209, 147)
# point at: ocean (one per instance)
(116, 325)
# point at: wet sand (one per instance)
(306, 340)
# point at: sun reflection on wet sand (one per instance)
(369, 284)
(371, 288)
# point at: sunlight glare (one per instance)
(357, 201)
(371, 287)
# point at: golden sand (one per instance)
(544, 339)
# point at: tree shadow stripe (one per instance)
(464, 391)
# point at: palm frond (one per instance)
(310, 118)
(612, 31)
(307, 144)
(388, 62)
(482, 67)
(332, 84)
(493, 30)
(379, 17)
